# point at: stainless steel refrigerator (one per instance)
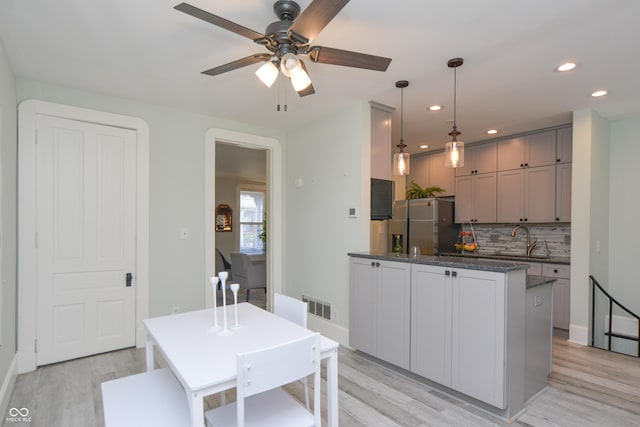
(426, 223)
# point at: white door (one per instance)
(86, 212)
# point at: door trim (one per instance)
(274, 205)
(27, 279)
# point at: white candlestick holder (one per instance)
(234, 289)
(214, 286)
(223, 275)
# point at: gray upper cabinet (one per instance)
(419, 171)
(538, 149)
(478, 159)
(564, 148)
(380, 141)
(440, 175)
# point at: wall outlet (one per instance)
(175, 309)
(537, 301)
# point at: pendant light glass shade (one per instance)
(454, 149)
(401, 163)
(268, 73)
(401, 160)
(454, 154)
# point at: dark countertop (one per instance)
(469, 263)
(550, 260)
(533, 281)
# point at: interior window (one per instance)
(251, 221)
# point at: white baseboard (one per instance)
(8, 384)
(579, 334)
(329, 329)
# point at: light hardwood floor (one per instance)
(68, 394)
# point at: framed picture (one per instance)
(223, 218)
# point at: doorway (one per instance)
(273, 153)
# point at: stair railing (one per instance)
(612, 300)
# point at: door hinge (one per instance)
(35, 345)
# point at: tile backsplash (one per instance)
(496, 239)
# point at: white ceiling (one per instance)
(146, 51)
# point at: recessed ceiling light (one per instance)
(599, 93)
(492, 131)
(567, 66)
(424, 146)
(435, 107)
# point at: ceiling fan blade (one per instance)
(309, 90)
(253, 59)
(315, 17)
(220, 22)
(328, 55)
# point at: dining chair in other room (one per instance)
(260, 399)
(248, 274)
(294, 311)
(222, 264)
(153, 398)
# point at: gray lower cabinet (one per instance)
(431, 323)
(457, 327)
(561, 293)
(458, 330)
(379, 313)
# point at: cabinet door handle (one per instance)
(128, 278)
(557, 160)
(377, 264)
(521, 165)
(526, 164)
(373, 264)
(447, 273)
(454, 273)
(557, 219)
(555, 270)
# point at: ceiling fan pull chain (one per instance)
(279, 88)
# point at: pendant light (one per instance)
(454, 149)
(401, 158)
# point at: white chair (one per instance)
(153, 398)
(260, 399)
(294, 311)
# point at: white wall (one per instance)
(8, 227)
(589, 217)
(331, 157)
(624, 216)
(176, 188)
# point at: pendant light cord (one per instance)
(455, 96)
(401, 116)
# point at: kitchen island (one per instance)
(459, 324)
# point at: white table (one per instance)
(204, 361)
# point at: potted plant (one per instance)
(416, 192)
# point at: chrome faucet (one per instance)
(530, 244)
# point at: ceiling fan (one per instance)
(287, 40)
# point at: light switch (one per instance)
(537, 301)
(353, 213)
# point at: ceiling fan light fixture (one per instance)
(454, 149)
(300, 79)
(288, 63)
(267, 73)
